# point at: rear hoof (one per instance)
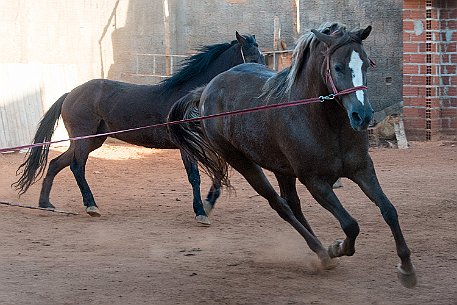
(208, 207)
(407, 278)
(46, 205)
(93, 211)
(203, 220)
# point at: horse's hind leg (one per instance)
(213, 195)
(288, 189)
(55, 166)
(257, 179)
(368, 182)
(323, 193)
(194, 178)
(78, 167)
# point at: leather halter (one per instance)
(329, 80)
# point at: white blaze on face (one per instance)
(355, 64)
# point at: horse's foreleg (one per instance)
(257, 179)
(368, 182)
(323, 193)
(193, 176)
(288, 189)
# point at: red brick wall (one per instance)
(429, 69)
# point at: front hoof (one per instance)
(334, 250)
(407, 278)
(203, 220)
(46, 205)
(93, 211)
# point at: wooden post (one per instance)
(276, 40)
(297, 17)
(166, 35)
(400, 134)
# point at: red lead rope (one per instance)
(211, 116)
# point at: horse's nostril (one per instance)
(356, 117)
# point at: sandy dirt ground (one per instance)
(147, 249)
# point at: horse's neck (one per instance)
(223, 62)
(310, 84)
(229, 59)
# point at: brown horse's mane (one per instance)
(277, 87)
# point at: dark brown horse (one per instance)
(316, 143)
(101, 105)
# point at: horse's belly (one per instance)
(150, 138)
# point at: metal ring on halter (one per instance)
(331, 96)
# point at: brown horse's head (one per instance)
(345, 66)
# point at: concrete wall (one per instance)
(118, 38)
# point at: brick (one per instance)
(415, 80)
(408, 25)
(412, 37)
(453, 58)
(435, 24)
(445, 124)
(415, 58)
(413, 4)
(450, 91)
(433, 69)
(449, 112)
(414, 123)
(453, 80)
(411, 69)
(412, 90)
(411, 101)
(448, 69)
(448, 102)
(449, 47)
(410, 47)
(414, 14)
(445, 80)
(449, 134)
(417, 113)
(451, 24)
(453, 124)
(452, 13)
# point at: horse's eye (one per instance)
(339, 68)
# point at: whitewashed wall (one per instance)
(26, 92)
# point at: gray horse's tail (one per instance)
(37, 157)
(190, 138)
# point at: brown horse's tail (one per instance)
(37, 157)
(190, 138)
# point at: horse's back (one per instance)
(230, 89)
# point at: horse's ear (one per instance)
(327, 39)
(364, 33)
(240, 39)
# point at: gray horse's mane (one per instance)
(279, 85)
